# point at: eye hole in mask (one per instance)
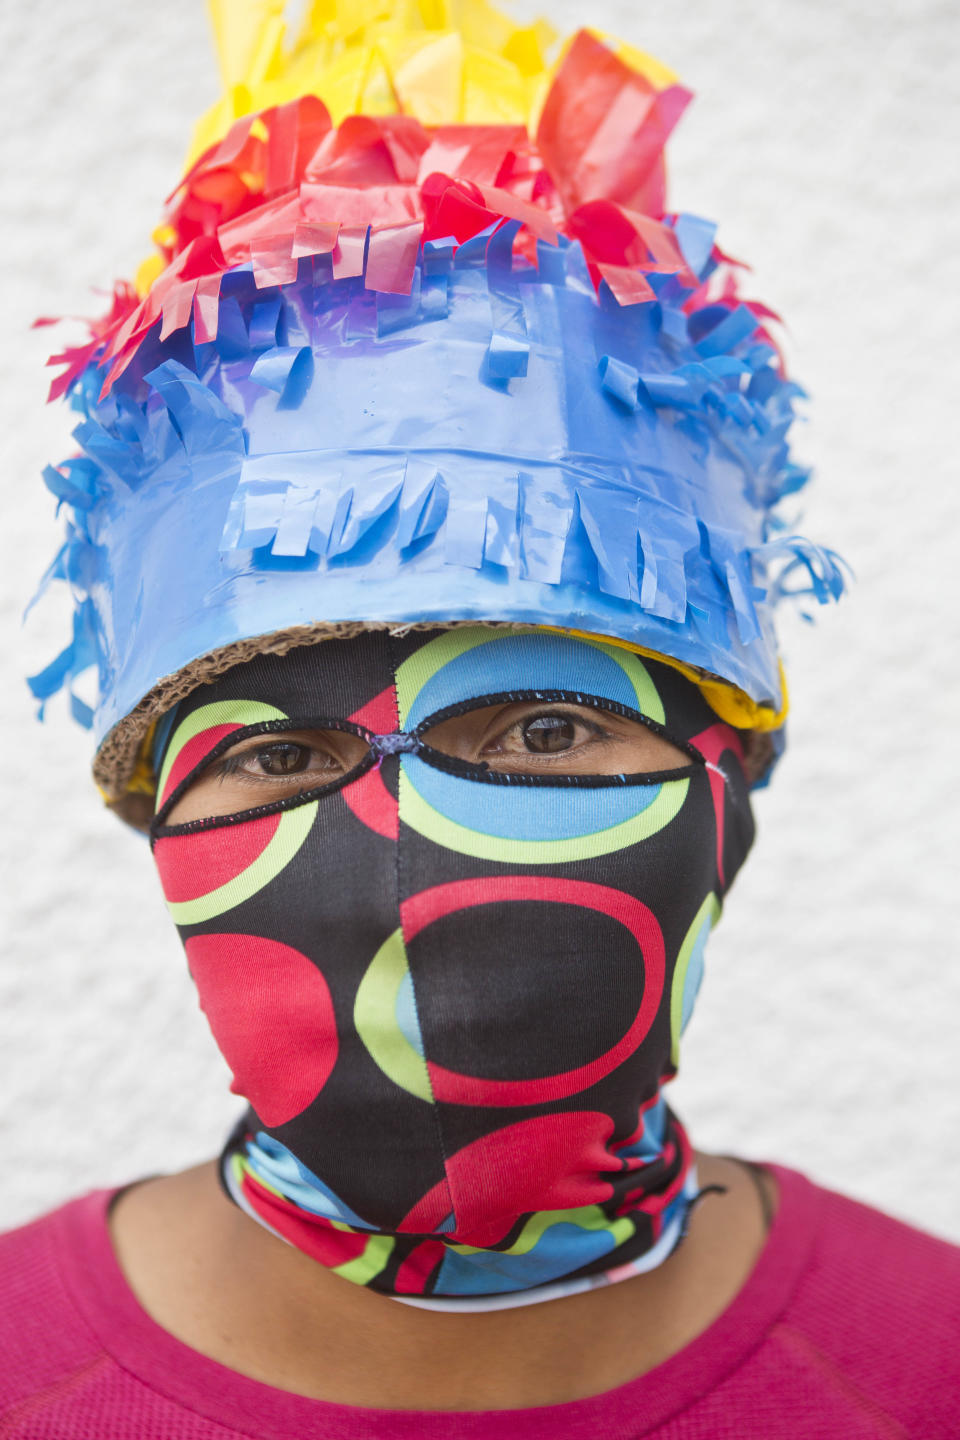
(537, 738)
(552, 737)
(273, 764)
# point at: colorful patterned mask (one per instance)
(447, 960)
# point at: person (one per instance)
(425, 539)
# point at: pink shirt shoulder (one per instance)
(849, 1326)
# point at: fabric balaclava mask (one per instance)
(451, 985)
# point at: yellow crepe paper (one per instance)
(443, 61)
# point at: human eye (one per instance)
(261, 769)
(559, 737)
(544, 735)
(279, 760)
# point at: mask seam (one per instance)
(400, 880)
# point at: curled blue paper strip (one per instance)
(731, 328)
(233, 340)
(78, 487)
(437, 255)
(72, 661)
(620, 380)
(285, 370)
(263, 324)
(695, 238)
(507, 356)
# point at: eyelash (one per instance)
(555, 715)
(231, 765)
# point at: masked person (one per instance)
(424, 536)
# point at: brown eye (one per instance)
(282, 759)
(546, 734)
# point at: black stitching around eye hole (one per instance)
(481, 771)
(462, 768)
(550, 697)
(466, 770)
(158, 830)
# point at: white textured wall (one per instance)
(824, 140)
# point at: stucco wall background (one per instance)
(824, 141)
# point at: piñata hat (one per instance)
(423, 345)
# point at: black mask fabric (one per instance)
(451, 982)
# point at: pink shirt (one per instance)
(848, 1327)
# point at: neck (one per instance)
(213, 1277)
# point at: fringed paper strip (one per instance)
(285, 183)
(471, 429)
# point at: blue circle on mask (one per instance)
(522, 662)
(527, 812)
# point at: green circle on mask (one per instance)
(375, 1016)
(206, 717)
(276, 855)
(692, 947)
(292, 830)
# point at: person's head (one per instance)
(420, 879)
(425, 538)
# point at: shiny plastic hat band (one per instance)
(379, 470)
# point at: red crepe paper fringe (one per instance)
(284, 183)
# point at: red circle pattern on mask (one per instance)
(271, 1013)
